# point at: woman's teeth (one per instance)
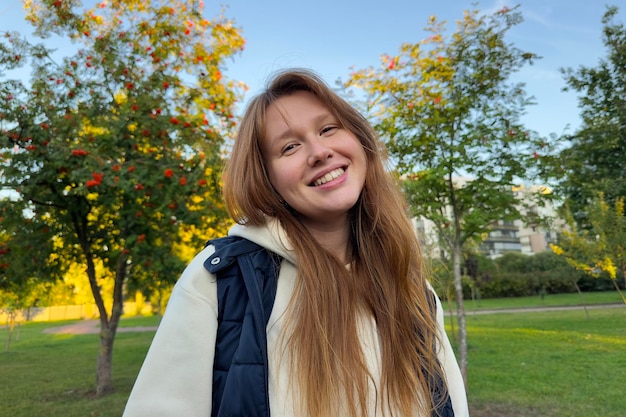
(329, 177)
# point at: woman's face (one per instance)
(316, 166)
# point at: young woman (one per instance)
(355, 329)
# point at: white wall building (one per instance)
(505, 236)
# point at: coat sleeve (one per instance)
(454, 379)
(176, 377)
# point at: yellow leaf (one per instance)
(556, 249)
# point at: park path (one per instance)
(93, 326)
(469, 311)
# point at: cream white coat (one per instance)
(176, 377)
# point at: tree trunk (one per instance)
(451, 312)
(12, 316)
(104, 376)
(582, 298)
(618, 290)
(108, 325)
(460, 308)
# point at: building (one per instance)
(505, 236)
(518, 236)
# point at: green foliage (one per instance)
(517, 275)
(600, 248)
(26, 245)
(595, 160)
(441, 278)
(512, 262)
(515, 284)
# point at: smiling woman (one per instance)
(344, 320)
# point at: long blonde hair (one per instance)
(386, 281)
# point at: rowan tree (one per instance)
(449, 114)
(113, 151)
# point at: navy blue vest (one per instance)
(247, 277)
(246, 288)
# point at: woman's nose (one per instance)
(319, 152)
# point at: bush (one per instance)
(516, 275)
(509, 284)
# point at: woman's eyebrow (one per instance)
(325, 117)
(319, 119)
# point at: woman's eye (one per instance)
(328, 129)
(289, 148)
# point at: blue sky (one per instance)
(331, 36)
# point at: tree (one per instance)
(26, 244)
(602, 246)
(449, 115)
(114, 150)
(595, 160)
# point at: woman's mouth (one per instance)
(335, 173)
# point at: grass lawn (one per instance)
(546, 364)
(549, 300)
(54, 375)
